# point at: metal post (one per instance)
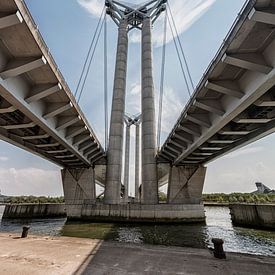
(149, 167)
(114, 155)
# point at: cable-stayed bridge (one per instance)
(232, 105)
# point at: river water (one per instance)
(218, 225)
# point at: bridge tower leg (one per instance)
(149, 166)
(185, 184)
(114, 154)
(137, 160)
(127, 163)
(79, 187)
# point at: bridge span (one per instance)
(37, 109)
(234, 103)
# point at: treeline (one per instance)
(239, 197)
(33, 199)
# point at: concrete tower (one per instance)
(128, 17)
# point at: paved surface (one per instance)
(63, 255)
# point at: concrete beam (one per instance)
(6, 110)
(18, 67)
(42, 91)
(65, 156)
(75, 161)
(75, 131)
(18, 126)
(212, 106)
(57, 151)
(252, 120)
(249, 61)
(47, 145)
(202, 154)
(262, 16)
(80, 139)
(205, 148)
(86, 145)
(11, 20)
(200, 119)
(89, 151)
(66, 121)
(184, 137)
(171, 152)
(195, 158)
(56, 109)
(225, 87)
(233, 133)
(175, 148)
(220, 141)
(35, 137)
(191, 129)
(178, 143)
(265, 101)
(96, 157)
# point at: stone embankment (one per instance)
(30, 211)
(253, 215)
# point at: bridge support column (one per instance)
(149, 166)
(185, 184)
(127, 162)
(114, 155)
(137, 165)
(78, 186)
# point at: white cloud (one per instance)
(185, 13)
(30, 181)
(4, 159)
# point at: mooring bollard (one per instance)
(25, 231)
(218, 248)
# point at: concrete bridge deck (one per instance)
(37, 109)
(234, 103)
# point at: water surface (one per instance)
(218, 225)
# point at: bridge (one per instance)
(232, 106)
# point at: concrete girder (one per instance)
(96, 157)
(74, 161)
(252, 120)
(75, 131)
(212, 106)
(56, 109)
(190, 129)
(203, 154)
(11, 20)
(18, 126)
(262, 16)
(225, 87)
(265, 101)
(42, 91)
(186, 137)
(200, 119)
(66, 121)
(57, 151)
(47, 145)
(80, 139)
(6, 110)
(233, 133)
(249, 61)
(20, 66)
(65, 156)
(220, 141)
(205, 148)
(196, 158)
(89, 151)
(36, 137)
(171, 152)
(178, 143)
(86, 145)
(175, 148)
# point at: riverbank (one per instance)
(65, 255)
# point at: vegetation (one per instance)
(33, 199)
(239, 198)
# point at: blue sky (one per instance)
(67, 27)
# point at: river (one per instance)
(218, 225)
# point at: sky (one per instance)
(68, 26)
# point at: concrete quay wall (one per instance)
(138, 213)
(30, 211)
(253, 215)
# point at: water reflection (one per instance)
(218, 225)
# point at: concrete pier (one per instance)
(149, 167)
(127, 162)
(114, 154)
(79, 188)
(185, 184)
(137, 160)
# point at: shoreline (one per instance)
(37, 255)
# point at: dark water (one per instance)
(218, 225)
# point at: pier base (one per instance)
(161, 213)
(79, 188)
